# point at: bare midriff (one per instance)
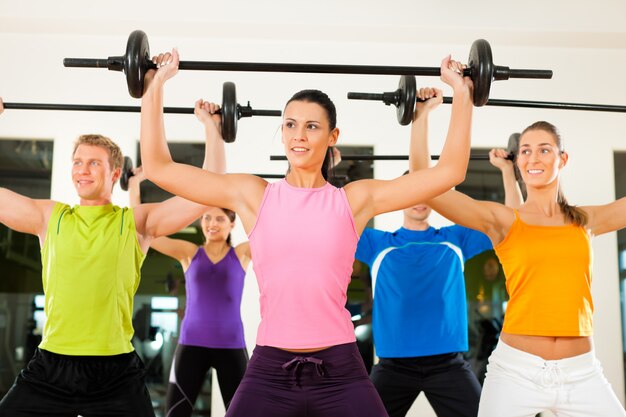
(549, 347)
(305, 350)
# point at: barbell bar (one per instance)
(381, 157)
(512, 148)
(404, 98)
(231, 111)
(137, 61)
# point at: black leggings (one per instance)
(189, 369)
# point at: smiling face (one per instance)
(216, 225)
(306, 134)
(92, 174)
(540, 158)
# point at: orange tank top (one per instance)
(548, 278)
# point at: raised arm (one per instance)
(241, 192)
(170, 216)
(512, 192)
(419, 127)
(456, 206)
(181, 250)
(372, 197)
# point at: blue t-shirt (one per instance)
(419, 288)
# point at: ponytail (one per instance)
(328, 164)
(572, 214)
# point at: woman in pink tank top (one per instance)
(545, 358)
(303, 234)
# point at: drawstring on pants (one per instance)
(551, 375)
(298, 361)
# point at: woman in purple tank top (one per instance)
(211, 334)
(303, 233)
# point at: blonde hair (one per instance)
(572, 214)
(116, 159)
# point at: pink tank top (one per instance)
(303, 246)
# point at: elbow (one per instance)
(151, 172)
(153, 168)
(460, 177)
(455, 175)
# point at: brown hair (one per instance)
(322, 99)
(116, 159)
(231, 216)
(572, 214)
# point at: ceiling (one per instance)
(558, 23)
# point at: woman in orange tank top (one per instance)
(545, 358)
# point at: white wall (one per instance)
(586, 53)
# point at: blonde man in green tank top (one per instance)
(91, 259)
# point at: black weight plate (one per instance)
(406, 102)
(480, 63)
(127, 172)
(229, 112)
(135, 62)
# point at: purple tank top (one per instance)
(213, 310)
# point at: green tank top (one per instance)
(91, 269)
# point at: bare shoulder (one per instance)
(243, 250)
(503, 218)
(46, 206)
(248, 191)
(243, 254)
(249, 183)
(358, 191)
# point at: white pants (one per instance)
(518, 384)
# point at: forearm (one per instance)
(419, 157)
(155, 155)
(455, 153)
(134, 193)
(512, 193)
(214, 153)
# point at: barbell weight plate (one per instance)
(406, 102)
(513, 145)
(127, 172)
(229, 112)
(480, 62)
(135, 67)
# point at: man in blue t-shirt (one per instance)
(420, 313)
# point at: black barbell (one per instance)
(231, 111)
(404, 98)
(512, 148)
(137, 61)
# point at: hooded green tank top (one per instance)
(91, 262)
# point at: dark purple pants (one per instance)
(328, 383)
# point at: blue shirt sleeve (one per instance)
(365, 248)
(472, 241)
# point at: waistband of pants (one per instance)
(327, 354)
(504, 352)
